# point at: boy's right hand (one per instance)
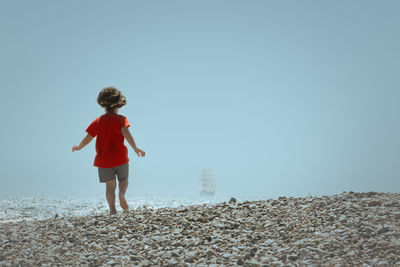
(140, 152)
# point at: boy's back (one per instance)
(110, 148)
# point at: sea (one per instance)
(15, 208)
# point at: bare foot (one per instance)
(123, 203)
(113, 212)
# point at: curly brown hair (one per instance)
(111, 98)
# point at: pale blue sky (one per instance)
(277, 97)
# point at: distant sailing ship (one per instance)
(207, 183)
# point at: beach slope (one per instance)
(349, 228)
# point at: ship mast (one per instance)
(207, 182)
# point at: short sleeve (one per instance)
(124, 122)
(92, 129)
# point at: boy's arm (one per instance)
(86, 140)
(128, 136)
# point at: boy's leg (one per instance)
(110, 195)
(123, 185)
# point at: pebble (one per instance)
(232, 200)
(348, 229)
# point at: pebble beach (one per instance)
(348, 229)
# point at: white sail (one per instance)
(207, 182)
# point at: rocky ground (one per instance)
(348, 229)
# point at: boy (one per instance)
(112, 155)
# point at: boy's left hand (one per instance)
(75, 148)
(140, 152)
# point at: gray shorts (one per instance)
(108, 174)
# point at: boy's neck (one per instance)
(114, 111)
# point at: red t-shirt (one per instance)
(110, 148)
